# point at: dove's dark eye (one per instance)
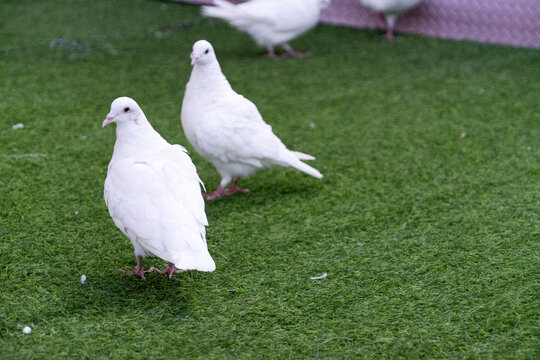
(207, 50)
(126, 109)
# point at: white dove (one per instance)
(390, 10)
(153, 194)
(270, 22)
(227, 129)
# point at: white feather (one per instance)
(153, 194)
(226, 128)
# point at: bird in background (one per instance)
(270, 22)
(153, 194)
(389, 11)
(226, 128)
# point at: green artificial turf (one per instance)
(426, 222)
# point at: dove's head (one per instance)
(123, 110)
(203, 53)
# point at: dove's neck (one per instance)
(208, 78)
(137, 139)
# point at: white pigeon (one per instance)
(270, 22)
(153, 194)
(227, 129)
(390, 10)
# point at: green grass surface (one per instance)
(430, 239)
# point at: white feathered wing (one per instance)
(231, 131)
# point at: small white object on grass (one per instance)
(83, 278)
(18, 126)
(27, 330)
(463, 134)
(319, 277)
(312, 125)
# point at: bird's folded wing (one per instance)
(234, 131)
(182, 180)
(157, 202)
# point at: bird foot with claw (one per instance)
(221, 191)
(152, 269)
(234, 190)
(272, 56)
(297, 54)
(137, 270)
(389, 35)
(170, 270)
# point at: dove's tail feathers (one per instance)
(222, 9)
(201, 261)
(235, 15)
(302, 156)
(306, 169)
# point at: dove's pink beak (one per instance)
(109, 119)
(193, 59)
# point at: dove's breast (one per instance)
(199, 119)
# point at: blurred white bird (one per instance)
(227, 129)
(270, 22)
(153, 194)
(389, 11)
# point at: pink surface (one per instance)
(512, 22)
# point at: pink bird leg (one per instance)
(271, 53)
(170, 269)
(390, 34)
(295, 54)
(138, 270)
(221, 191)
